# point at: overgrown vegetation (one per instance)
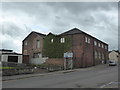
(56, 49)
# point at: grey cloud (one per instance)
(59, 17)
(11, 29)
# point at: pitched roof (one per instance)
(78, 31)
(72, 31)
(35, 33)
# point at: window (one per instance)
(36, 55)
(105, 47)
(86, 39)
(95, 54)
(95, 43)
(25, 52)
(102, 56)
(102, 46)
(38, 44)
(13, 59)
(62, 40)
(99, 45)
(52, 40)
(99, 55)
(26, 43)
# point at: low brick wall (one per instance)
(10, 68)
(7, 72)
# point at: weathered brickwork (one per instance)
(87, 50)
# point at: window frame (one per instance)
(37, 43)
(62, 40)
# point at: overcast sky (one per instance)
(19, 19)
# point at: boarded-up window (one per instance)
(25, 43)
(25, 52)
(38, 44)
(99, 55)
(95, 54)
(102, 56)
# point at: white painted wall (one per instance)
(4, 58)
(113, 56)
(20, 59)
(38, 60)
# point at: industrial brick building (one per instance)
(32, 47)
(87, 50)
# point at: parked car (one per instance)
(112, 63)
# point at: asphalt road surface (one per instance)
(83, 78)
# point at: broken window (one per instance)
(36, 55)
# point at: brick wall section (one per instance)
(77, 48)
(30, 48)
(84, 52)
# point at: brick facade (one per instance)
(85, 52)
(29, 46)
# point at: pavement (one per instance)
(111, 85)
(6, 78)
(100, 76)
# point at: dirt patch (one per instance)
(38, 70)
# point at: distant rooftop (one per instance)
(6, 50)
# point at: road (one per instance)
(93, 77)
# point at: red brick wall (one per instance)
(84, 52)
(31, 45)
(77, 48)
